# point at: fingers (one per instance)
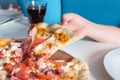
(69, 21)
(75, 23)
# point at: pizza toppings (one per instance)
(8, 67)
(14, 78)
(23, 73)
(27, 44)
(17, 44)
(3, 75)
(4, 42)
(61, 37)
(41, 32)
(37, 42)
(30, 59)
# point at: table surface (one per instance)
(89, 51)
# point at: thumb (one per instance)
(66, 18)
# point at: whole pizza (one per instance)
(29, 58)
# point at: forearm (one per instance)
(102, 33)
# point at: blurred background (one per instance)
(99, 11)
(5, 4)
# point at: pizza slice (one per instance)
(47, 39)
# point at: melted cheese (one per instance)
(4, 42)
(42, 32)
(49, 46)
(3, 75)
(63, 38)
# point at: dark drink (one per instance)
(36, 13)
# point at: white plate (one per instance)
(13, 29)
(112, 63)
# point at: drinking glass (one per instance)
(36, 10)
